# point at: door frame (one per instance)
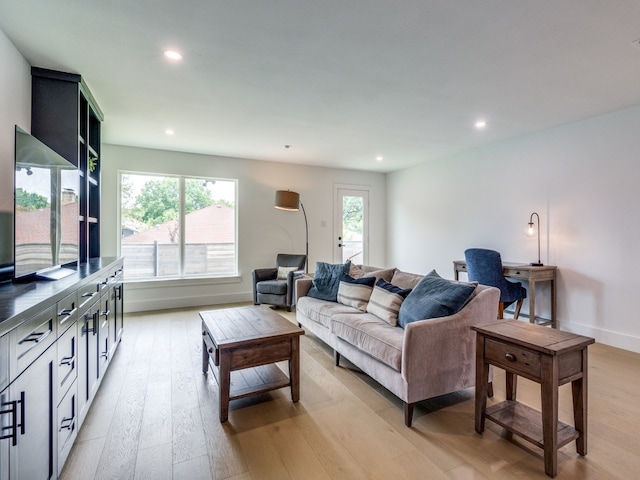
(337, 218)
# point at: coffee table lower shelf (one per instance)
(526, 422)
(254, 380)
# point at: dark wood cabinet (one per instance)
(65, 116)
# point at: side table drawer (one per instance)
(513, 358)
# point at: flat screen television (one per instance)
(46, 211)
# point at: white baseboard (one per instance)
(608, 337)
(145, 304)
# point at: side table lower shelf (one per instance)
(526, 422)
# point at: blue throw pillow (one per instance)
(433, 297)
(326, 280)
(403, 292)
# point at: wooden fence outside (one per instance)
(153, 260)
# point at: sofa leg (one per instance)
(336, 358)
(490, 389)
(408, 413)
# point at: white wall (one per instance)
(15, 109)
(581, 178)
(263, 231)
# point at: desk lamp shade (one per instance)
(287, 200)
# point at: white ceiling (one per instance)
(340, 81)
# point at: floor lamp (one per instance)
(290, 201)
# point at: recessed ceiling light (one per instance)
(169, 131)
(173, 55)
(379, 158)
(480, 124)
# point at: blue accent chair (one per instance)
(485, 266)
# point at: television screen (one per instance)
(46, 213)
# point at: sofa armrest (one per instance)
(303, 285)
(442, 350)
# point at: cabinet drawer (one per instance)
(67, 365)
(513, 358)
(87, 294)
(67, 312)
(67, 426)
(32, 338)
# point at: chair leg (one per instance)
(518, 307)
(500, 310)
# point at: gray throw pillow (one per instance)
(385, 301)
(326, 280)
(433, 297)
(355, 292)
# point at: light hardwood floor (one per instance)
(156, 417)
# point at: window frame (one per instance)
(181, 276)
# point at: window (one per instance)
(175, 226)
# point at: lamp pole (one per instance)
(306, 229)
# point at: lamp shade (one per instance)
(287, 200)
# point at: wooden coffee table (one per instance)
(253, 338)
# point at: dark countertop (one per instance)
(20, 301)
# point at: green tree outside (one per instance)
(30, 201)
(159, 201)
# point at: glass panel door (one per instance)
(352, 225)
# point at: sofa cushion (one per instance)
(434, 297)
(385, 301)
(326, 280)
(405, 280)
(355, 292)
(385, 273)
(321, 311)
(356, 271)
(371, 335)
(272, 287)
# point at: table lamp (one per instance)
(530, 231)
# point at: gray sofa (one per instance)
(426, 359)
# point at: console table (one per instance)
(545, 273)
(548, 357)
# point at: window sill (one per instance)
(181, 282)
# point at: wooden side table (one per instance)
(547, 356)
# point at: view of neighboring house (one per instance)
(210, 245)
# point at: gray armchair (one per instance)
(276, 290)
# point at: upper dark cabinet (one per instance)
(66, 117)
